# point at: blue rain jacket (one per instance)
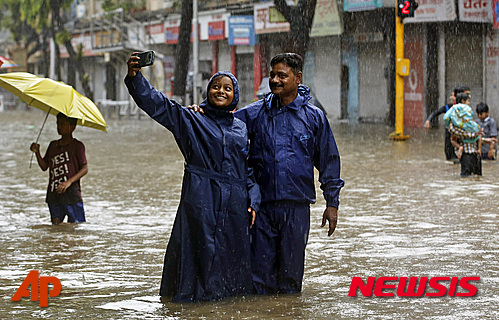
(208, 254)
(286, 143)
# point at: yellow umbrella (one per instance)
(53, 97)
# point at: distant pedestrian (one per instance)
(489, 139)
(449, 147)
(68, 164)
(460, 121)
(208, 254)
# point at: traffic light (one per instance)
(406, 8)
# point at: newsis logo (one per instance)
(409, 287)
(38, 285)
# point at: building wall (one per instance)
(326, 82)
(373, 102)
(464, 59)
(492, 74)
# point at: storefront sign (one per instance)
(212, 25)
(241, 30)
(216, 30)
(155, 33)
(475, 10)
(361, 5)
(434, 11)
(172, 27)
(326, 19)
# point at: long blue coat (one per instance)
(208, 255)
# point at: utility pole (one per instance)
(405, 8)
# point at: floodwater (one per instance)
(404, 212)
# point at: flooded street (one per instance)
(404, 212)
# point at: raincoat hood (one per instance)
(206, 104)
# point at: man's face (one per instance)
(283, 81)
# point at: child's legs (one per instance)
(75, 212)
(57, 213)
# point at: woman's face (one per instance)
(221, 92)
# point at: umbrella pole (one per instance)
(39, 133)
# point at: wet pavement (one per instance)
(404, 212)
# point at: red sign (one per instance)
(172, 35)
(216, 30)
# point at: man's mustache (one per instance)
(275, 85)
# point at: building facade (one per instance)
(349, 64)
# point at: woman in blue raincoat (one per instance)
(208, 254)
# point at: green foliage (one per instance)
(62, 36)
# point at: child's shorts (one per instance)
(75, 212)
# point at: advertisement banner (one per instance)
(241, 30)
(475, 10)
(326, 19)
(434, 11)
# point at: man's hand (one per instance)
(427, 125)
(331, 215)
(132, 65)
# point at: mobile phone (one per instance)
(146, 58)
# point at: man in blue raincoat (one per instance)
(208, 254)
(288, 138)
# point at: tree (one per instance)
(28, 30)
(183, 49)
(33, 22)
(300, 18)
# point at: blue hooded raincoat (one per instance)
(208, 254)
(287, 142)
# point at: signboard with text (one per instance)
(475, 10)
(361, 5)
(241, 30)
(434, 11)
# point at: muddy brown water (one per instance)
(404, 212)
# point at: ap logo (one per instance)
(32, 279)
